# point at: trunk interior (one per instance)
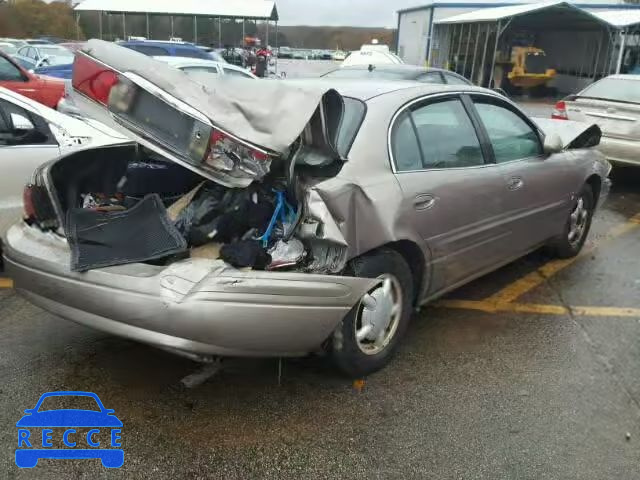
(125, 204)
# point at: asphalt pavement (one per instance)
(528, 373)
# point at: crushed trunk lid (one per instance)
(226, 129)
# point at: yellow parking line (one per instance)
(527, 283)
(6, 283)
(536, 308)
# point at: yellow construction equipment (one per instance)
(527, 71)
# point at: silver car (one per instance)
(400, 192)
(614, 104)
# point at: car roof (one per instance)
(366, 89)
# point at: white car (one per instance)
(198, 65)
(32, 134)
(48, 55)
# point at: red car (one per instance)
(45, 90)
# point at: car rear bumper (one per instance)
(194, 307)
(620, 151)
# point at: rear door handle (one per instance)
(424, 201)
(515, 183)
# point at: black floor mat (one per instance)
(141, 233)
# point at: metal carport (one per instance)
(627, 22)
(474, 43)
(219, 9)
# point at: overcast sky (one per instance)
(356, 13)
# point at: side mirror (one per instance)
(42, 61)
(29, 410)
(552, 144)
(21, 123)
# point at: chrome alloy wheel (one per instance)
(379, 315)
(578, 222)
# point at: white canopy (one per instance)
(257, 9)
(501, 13)
(622, 18)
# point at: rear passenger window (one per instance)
(511, 137)
(446, 135)
(149, 50)
(404, 145)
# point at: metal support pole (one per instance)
(147, 19)
(195, 29)
(595, 65)
(219, 32)
(276, 47)
(243, 33)
(623, 40)
(267, 36)
(495, 53)
(480, 81)
(459, 47)
(100, 23)
(430, 43)
(124, 26)
(475, 52)
(466, 53)
(172, 35)
(78, 26)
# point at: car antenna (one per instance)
(372, 67)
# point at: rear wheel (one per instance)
(577, 227)
(369, 334)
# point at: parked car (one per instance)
(156, 48)
(47, 91)
(64, 71)
(399, 72)
(38, 41)
(197, 65)
(387, 195)
(8, 48)
(47, 55)
(16, 42)
(32, 134)
(614, 104)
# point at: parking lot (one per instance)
(530, 372)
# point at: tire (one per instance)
(346, 350)
(563, 246)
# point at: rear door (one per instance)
(451, 194)
(536, 187)
(22, 149)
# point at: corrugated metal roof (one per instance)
(499, 13)
(620, 18)
(261, 9)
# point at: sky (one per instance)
(355, 13)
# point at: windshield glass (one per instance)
(69, 402)
(615, 89)
(354, 111)
(57, 55)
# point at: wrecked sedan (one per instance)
(300, 217)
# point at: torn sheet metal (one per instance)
(573, 134)
(266, 114)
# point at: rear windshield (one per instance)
(615, 89)
(365, 73)
(354, 111)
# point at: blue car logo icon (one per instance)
(70, 426)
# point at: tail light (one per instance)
(560, 111)
(93, 79)
(38, 208)
(226, 154)
(28, 204)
